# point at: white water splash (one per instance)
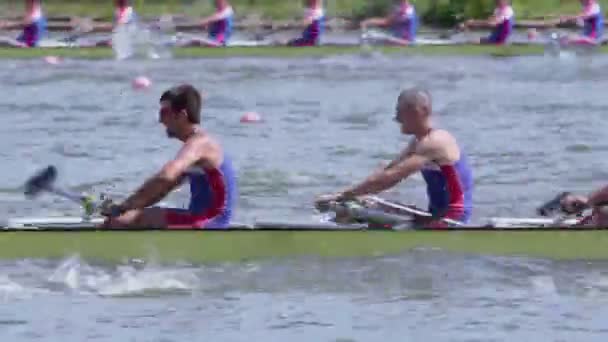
(75, 274)
(129, 282)
(126, 280)
(544, 285)
(132, 41)
(9, 288)
(122, 41)
(595, 286)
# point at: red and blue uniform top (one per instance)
(221, 30)
(124, 15)
(213, 196)
(450, 189)
(503, 29)
(593, 26)
(407, 22)
(311, 35)
(34, 31)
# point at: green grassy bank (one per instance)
(285, 52)
(438, 12)
(217, 246)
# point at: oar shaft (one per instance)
(68, 195)
(412, 211)
(88, 204)
(368, 215)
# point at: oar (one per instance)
(166, 24)
(412, 211)
(370, 37)
(82, 27)
(195, 37)
(266, 34)
(370, 216)
(453, 31)
(44, 180)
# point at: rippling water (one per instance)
(533, 126)
(421, 296)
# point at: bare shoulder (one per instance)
(439, 145)
(200, 140)
(441, 136)
(206, 148)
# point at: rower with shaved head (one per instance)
(434, 152)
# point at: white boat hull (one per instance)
(73, 222)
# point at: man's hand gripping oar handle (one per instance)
(334, 206)
(553, 205)
(556, 205)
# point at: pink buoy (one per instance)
(532, 34)
(141, 82)
(53, 60)
(251, 117)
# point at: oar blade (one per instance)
(42, 180)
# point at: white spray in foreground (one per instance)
(125, 280)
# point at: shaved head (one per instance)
(416, 99)
(414, 107)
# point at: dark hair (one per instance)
(185, 97)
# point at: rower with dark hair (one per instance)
(201, 160)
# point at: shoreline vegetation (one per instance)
(253, 16)
(93, 53)
(277, 15)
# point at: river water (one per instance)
(533, 126)
(426, 296)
